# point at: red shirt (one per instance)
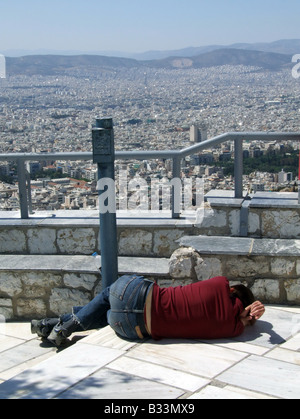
(204, 310)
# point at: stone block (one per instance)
(298, 268)
(211, 218)
(135, 242)
(244, 267)
(38, 284)
(10, 284)
(76, 241)
(29, 308)
(292, 288)
(253, 223)
(266, 290)
(12, 241)
(207, 268)
(41, 241)
(6, 308)
(282, 267)
(234, 218)
(62, 300)
(165, 242)
(182, 263)
(86, 281)
(281, 224)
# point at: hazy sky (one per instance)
(139, 25)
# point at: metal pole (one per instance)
(176, 175)
(29, 192)
(299, 180)
(238, 168)
(22, 190)
(104, 156)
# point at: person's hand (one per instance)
(252, 313)
(257, 310)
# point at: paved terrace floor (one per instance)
(264, 363)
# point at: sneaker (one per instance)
(62, 331)
(43, 328)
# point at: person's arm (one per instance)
(252, 313)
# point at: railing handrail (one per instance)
(175, 155)
(157, 154)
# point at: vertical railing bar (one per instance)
(176, 174)
(29, 192)
(238, 168)
(22, 189)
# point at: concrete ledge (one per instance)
(43, 286)
(242, 246)
(157, 267)
(278, 200)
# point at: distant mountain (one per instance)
(266, 60)
(283, 46)
(52, 65)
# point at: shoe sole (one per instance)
(56, 339)
(35, 328)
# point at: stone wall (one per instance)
(37, 293)
(150, 237)
(47, 286)
(202, 247)
(264, 214)
(217, 219)
(272, 279)
(134, 240)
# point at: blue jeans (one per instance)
(115, 306)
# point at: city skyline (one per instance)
(143, 26)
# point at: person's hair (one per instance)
(244, 294)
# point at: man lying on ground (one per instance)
(137, 308)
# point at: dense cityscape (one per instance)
(152, 109)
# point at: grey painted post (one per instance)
(22, 190)
(174, 199)
(238, 168)
(104, 156)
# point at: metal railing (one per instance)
(175, 155)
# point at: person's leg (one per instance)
(91, 316)
(94, 314)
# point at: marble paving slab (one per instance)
(110, 385)
(266, 376)
(107, 338)
(212, 392)
(49, 378)
(21, 353)
(204, 360)
(274, 328)
(159, 374)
